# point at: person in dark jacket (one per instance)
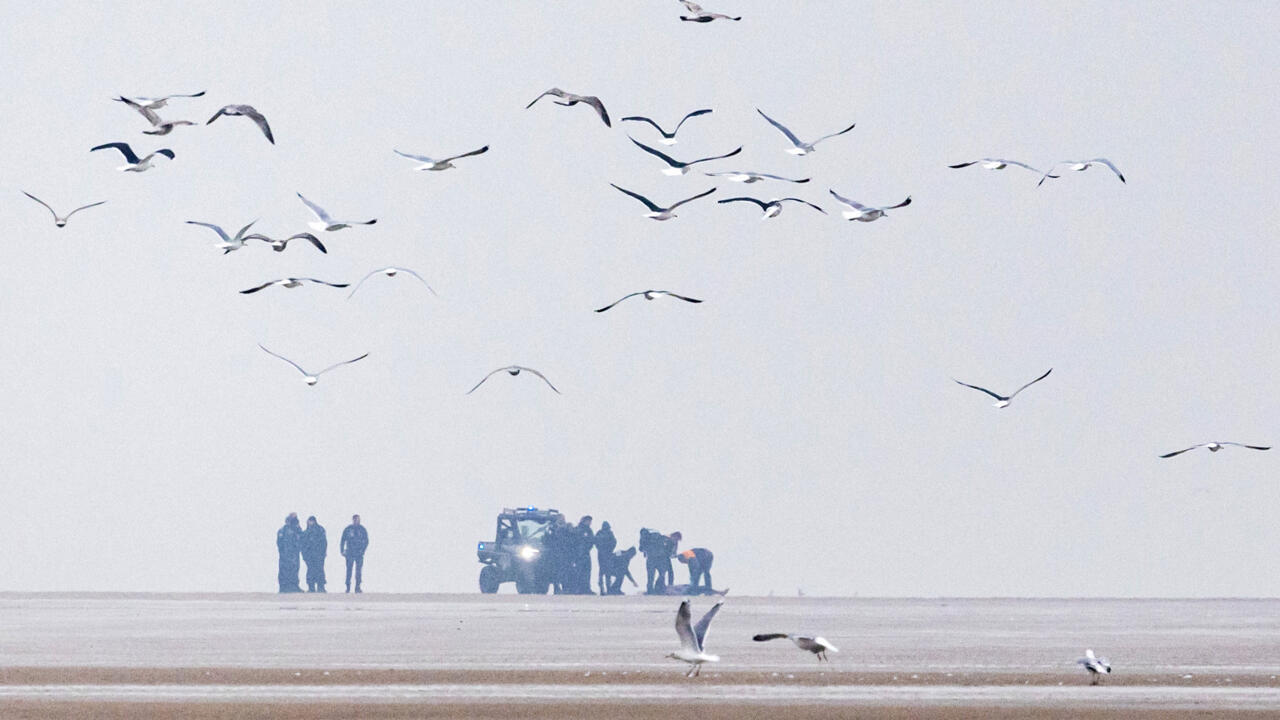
(605, 545)
(653, 546)
(670, 544)
(355, 539)
(699, 562)
(557, 555)
(289, 544)
(583, 540)
(315, 546)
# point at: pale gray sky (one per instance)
(801, 422)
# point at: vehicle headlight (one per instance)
(529, 552)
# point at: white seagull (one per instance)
(816, 645)
(675, 167)
(1080, 166)
(1096, 666)
(281, 244)
(158, 126)
(442, 164)
(800, 148)
(649, 295)
(1001, 400)
(698, 15)
(861, 212)
(693, 638)
(1215, 447)
(249, 112)
(773, 207)
(228, 243)
(324, 223)
(661, 213)
(569, 99)
(307, 377)
(514, 370)
(60, 220)
(391, 272)
(668, 138)
(136, 164)
(291, 283)
(748, 177)
(155, 103)
(996, 164)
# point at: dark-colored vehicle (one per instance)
(515, 554)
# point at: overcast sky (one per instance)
(801, 422)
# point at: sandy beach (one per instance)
(402, 656)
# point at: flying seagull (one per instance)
(816, 645)
(568, 99)
(155, 103)
(291, 283)
(698, 15)
(158, 126)
(307, 377)
(668, 138)
(692, 639)
(649, 295)
(661, 213)
(136, 164)
(1215, 447)
(1080, 166)
(281, 244)
(800, 148)
(249, 112)
(60, 220)
(748, 177)
(1096, 666)
(773, 207)
(391, 272)
(325, 223)
(514, 370)
(675, 167)
(996, 164)
(1001, 400)
(442, 164)
(861, 212)
(228, 243)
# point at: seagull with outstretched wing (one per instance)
(771, 208)
(440, 164)
(660, 213)
(569, 99)
(135, 163)
(249, 112)
(748, 177)
(228, 243)
(1081, 166)
(280, 244)
(391, 272)
(863, 213)
(800, 147)
(649, 295)
(514, 370)
(325, 223)
(1096, 666)
(675, 167)
(693, 638)
(1215, 447)
(809, 643)
(60, 220)
(1003, 400)
(291, 282)
(698, 15)
(668, 138)
(155, 103)
(312, 378)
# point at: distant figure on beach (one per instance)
(699, 562)
(289, 545)
(315, 546)
(605, 543)
(352, 546)
(657, 550)
(583, 540)
(669, 545)
(555, 555)
(615, 567)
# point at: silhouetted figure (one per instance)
(583, 540)
(556, 553)
(614, 567)
(699, 562)
(315, 546)
(352, 546)
(670, 544)
(653, 545)
(289, 545)
(605, 544)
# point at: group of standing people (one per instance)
(567, 554)
(659, 549)
(567, 558)
(312, 546)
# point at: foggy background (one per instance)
(801, 422)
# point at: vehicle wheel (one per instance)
(489, 581)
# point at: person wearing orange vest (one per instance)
(699, 561)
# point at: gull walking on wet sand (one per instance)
(60, 220)
(309, 378)
(1096, 666)
(814, 644)
(693, 638)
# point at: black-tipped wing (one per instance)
(143, 110)
(294, 364)
(261, 121)
(240, 233)
(340, 364)
(836, 134)
(122, 147)
(763, 205)
(804, 202)
(695, 113)
(46, 205)
(904, 203)
(641, 118)
(82, 207)
(486, 377)
(544, 377)
(678, 297)
(553, 91)
(481, 151)
(316, 210)
(263, 286)
(764, 637)
(1179, 452)
(1033, 382)
(790, 136)
(599, 106)
(982, 389)
(691, 199)
(221, 233)
(1251, 447)
(1109, 164)
(309, 238)
(658, 153)
(700, 630)
(326, 282)
(851, 203)
(684, 628)
(165, 152)
(649, 204)
(615, 302)
(715, 157)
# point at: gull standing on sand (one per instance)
(698, 15)
(1081, 166)
(281, 244)
(773, 207)
(136, 164)
(693, 638)
(675, 167)
(800, 147)
(158, 126)
(514, 370)
(1001, 400)
(391, 272)
(816, 645)
(861, 212)
(155, 103)
(568, 99)
(748, 177)
(307, 377)
(1096, 666)
(60, 220)
(661, 213)
(249, 112)
(649, 295)
(228, 243)
(1215, 447)
(996, 164)
(324, 223)
(668, 138)
(442, 164)
(291, 282)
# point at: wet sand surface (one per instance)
(401, 656)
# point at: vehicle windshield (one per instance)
(532, 531)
